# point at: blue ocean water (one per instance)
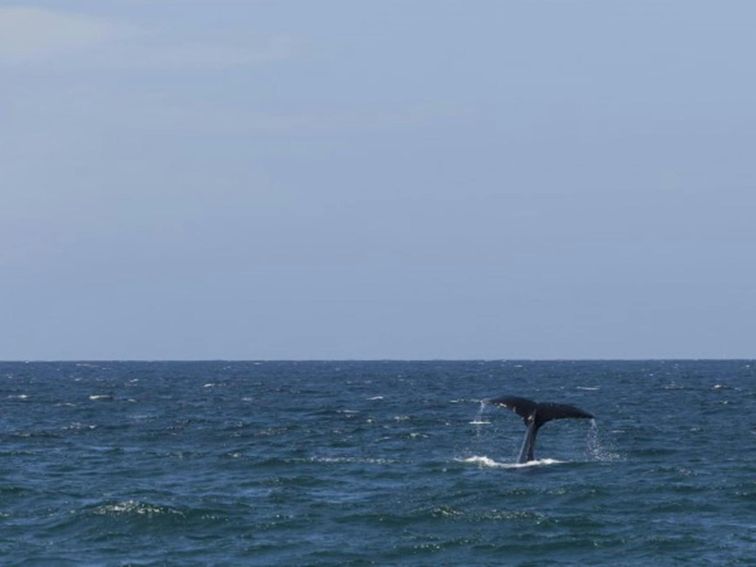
(375, 463)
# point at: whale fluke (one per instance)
(535, 415)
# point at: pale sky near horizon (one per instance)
(377, 179)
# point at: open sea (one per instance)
(375, 463)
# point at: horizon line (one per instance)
(494, 359)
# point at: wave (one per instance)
(352, 460)
(134, 508)
(138, 513)
(78, 426)
(486, 462)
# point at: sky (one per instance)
(406, 179)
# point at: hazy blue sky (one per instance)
(377, 179)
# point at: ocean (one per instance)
(375, 463)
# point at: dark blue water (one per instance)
(362, 463)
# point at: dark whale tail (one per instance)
(535, 415)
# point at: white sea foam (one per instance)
(129, 507)
(351, 460)
(487, 462)
(77, 426)
(100, 397)
(479, 422)
(376, 398)
(589, 388)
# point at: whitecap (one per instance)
(352, 460)
(18, 397)
(208, 385)
(589, 388)
(486, 462)
(94, 397)
(129, 507)
(376, 398)
(78, 426)
(479, 422)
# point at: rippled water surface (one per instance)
(384, 463)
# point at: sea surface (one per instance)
(375, 463)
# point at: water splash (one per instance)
(483, 461)
(478, 419)
(593, 447)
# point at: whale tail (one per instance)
(535, 415)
